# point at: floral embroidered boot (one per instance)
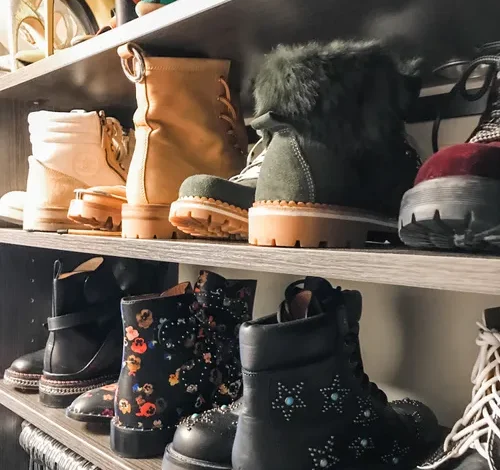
(474, 441)
(187, 335)
(313, 407)
(94, 406)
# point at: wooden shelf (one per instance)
(435, 270)
(89, 75)
(93, 446)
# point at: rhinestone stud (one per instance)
(289, 401)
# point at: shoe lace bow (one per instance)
(478, 422)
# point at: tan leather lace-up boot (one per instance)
(186, 123)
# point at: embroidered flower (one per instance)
(110, 387)
(107, 412)
(131, 333)
(147, 389)
(147, 410)
(223, 390)
(144, 318)
(139, 346)
(207, 357)
(152, 344)
(108, 397)
(157, 424)
(136, 388)
(174, 378)
(140, 400)
(133, 364)
(124, 406)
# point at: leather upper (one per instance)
(97, 402)
(208, 436)
(31, 363)
(179, 128)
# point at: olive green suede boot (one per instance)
(213, 207)
(337, 162)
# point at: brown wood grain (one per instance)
(93, 446)
(435, 270)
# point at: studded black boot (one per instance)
(83, 350)
(474, 441)
(307, 403)
(204, 441)
(189, 336)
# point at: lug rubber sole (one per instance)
(175, 461)
(99, 211)
(301, 225)
(61, 393)
(452, 212)
(22, 382)
(148, 221)
(134, 443)
(87, 417)
(47, 219)
(207, 217)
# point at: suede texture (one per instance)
(470, 159)
(332, 118)
(178, 128)
(241, 195)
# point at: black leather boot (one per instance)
(307, 403)
(25, 372)
(204, 441)
(94, 406)
(188, 336)
(84, 347)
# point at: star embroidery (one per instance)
(324, 458)
(366, 412)
(360, 445)
(334, 396)
(394, 457)
(288, 400)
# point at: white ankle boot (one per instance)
(70, 151)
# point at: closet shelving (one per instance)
(429, 269)
(89, 76)
(92, 443)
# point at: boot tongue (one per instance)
(492, 318)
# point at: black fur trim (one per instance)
(359, 89)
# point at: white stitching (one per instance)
(303, 164)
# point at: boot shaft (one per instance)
(335, 132)
(187, 122)
(78, 145)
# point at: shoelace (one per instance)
(226, 100)
(252, 169)
(352, 340)
(477, 422)
(118, 139)
(460, 88)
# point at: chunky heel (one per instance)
(148, 221)
(47, 219)
(313, 225)
(132, 443)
